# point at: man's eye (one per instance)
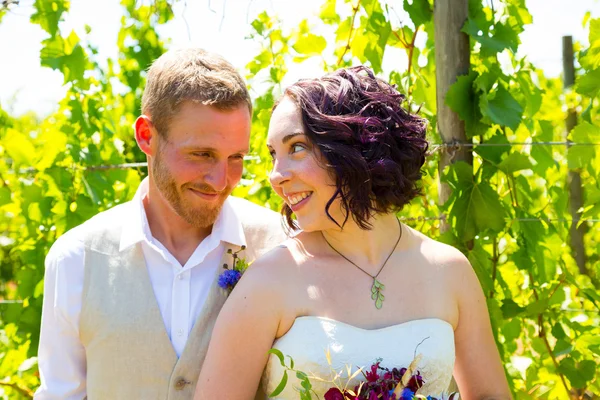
(238, 157)
(202, 154)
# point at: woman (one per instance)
(356, 281)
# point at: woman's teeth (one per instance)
(297, 198)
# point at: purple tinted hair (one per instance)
(374, 148)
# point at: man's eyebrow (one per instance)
(208, 149)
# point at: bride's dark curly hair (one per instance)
(373, 147)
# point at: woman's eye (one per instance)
(298, 147)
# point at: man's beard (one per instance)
(201, 216)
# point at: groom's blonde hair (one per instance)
(195, 75)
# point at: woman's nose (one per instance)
(279, 174)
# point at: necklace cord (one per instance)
(353, 263)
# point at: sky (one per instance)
(222, 26)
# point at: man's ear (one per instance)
(144, 134)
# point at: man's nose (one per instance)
(217, 177)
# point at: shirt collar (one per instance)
(227, 227)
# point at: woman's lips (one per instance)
(301, 203)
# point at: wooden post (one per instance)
(574, 178)
(452, 52)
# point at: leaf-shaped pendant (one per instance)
(376, 294)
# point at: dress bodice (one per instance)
(310, 337)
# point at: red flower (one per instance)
(415, 382)
(334, 394)
(373, 376)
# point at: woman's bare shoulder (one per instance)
(276, 270)
(435, 252)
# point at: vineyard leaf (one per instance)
(19, 148)
(580, 156)
(511, 309)
(589, 83)
(310, 44)
(476, 207)
(463, 99)
(480, 260)
(590, 57)
(378, 31)
(419, 11)
(48, 14)
(328, 13)
(515, 162)
(494, 153)
(578, 374)
(4, 196)
(502, 108)
(503, 37)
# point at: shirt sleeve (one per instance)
(61, 356)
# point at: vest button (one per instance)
(180, 384)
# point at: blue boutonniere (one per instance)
(230, 277)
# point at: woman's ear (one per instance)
(144, 134)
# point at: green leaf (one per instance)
(310, 44)
(492, 42)
(580, 156)
(590, 57)
(515, 162)
(495, 153)
(463, 99)
(480, 260)
(65, 55)
(589, 83)
(502, 108)
(537, 307)
(511, 309)
(281, 385)
(562, 347)
(19, 148)
(5, 197)
(378, 30)
(279, 355)
(328, 13)
(419, 11)
(476, 208)
(578, 374)
(48, 13)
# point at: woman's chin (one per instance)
(307, 225)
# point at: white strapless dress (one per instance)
(310, 337)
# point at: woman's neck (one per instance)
(367, 248)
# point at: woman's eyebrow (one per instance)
(289, 137)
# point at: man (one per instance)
(131, 295)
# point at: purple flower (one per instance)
(229, 278)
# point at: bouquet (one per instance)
(380, 383)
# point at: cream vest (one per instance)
(129, 354)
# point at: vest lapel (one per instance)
(190, 363)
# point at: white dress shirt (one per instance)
(180, 291)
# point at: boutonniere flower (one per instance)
(230, 277)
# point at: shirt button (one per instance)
(180, 332)
(180, 383)
(180, 276)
